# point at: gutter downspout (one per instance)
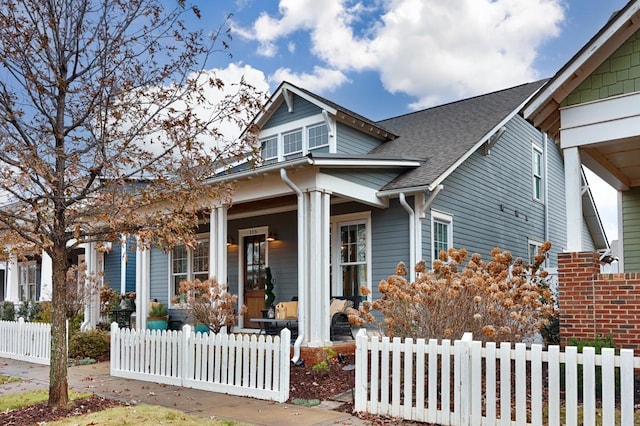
(301, 269)
(545, 156)
(412, 236)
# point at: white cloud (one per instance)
(432, 50)
(321, 80)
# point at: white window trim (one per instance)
(335, 223)
(23, 268)
(302, 142)
(263, 140)
(303, 125)
(437, 216)
(537, 245)
(537, 150)
(313, 126)
(199, 237)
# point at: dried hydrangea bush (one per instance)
(499, 300)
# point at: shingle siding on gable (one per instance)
(301, 109)
(619, 74)
(475, 191)
(351, 141)
(631, 229)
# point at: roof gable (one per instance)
(444, 136)
(543, 109)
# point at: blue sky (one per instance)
(382, 58)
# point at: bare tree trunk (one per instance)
(58, 384)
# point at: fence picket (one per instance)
(536, 385)
(432, 413)
(521, 383)
(490, 382)
(407, 402)
(505, 383)
(626, 383)
(608, 386)
(571, 385)
(589, 386)
(554, 385)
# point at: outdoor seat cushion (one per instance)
(290, 309)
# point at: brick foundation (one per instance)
(594, 304)
(313, 356)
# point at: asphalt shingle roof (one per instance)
(441, 135)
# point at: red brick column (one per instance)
(594, 304)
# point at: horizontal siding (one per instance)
(484, 194)
(301, 109)
(631, 229)
(112, 266)
(351, 141)
(131, 265)
(159, 273)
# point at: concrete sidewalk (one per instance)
(95, 378)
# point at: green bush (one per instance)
(7, 311)
(598, 342)
(89, 344)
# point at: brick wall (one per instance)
(594, 304)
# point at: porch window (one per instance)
(27, 280)
(537, 179)
(441, 233)
(353, 257)
(318, 136)
(292, 142)
(189, 264)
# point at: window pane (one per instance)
(254, 249)
(179, 256)
(270, 148)
(440, 238)
(201, 258)
(318, 136)
(292, 142)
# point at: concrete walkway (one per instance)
(95, 378)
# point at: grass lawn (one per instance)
(7, 379)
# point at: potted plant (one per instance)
(270, 297)
(157, 317)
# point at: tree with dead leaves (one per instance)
(98, 136)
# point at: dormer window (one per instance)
(318, 136)
(292, 142)
(286, 141)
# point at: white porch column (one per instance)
(317, 284)
(573, 195)
(143, 284)
(12, 279)
(46, 277)
(123, 264)
(218, 244)
(91, 288)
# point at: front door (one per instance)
(254, 250)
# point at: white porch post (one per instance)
(573, 195)
(12, 279)
(143, 284)
(317, 285)
(46, 277)
(91, 288)
(123, 264)
(218, 244)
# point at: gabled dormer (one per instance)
(296, 122)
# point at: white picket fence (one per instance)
(244, 365)
(25, 341)
(465, 383)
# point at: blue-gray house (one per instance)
(339, 200)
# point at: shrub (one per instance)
(209, 303)
(89, 344)
(7, 311)
(501, 300)
(157, 310)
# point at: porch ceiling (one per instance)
(617, 162)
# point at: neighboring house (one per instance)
(592, 108)
(341, 199)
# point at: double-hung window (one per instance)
(318, 136)
(189, 264)
(292, 142)
(27, 280)
(441, 233)
(270, 148)
(537, 174)
(353, 255)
